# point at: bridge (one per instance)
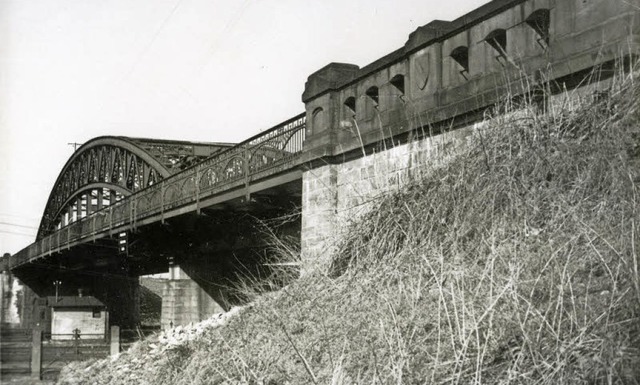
(114, 186)
(125, 207)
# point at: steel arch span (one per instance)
(100, 172)
(107, 169)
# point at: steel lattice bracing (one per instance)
(107, 169)
(113, 185)
(176, 155)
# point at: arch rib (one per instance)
(77, 174)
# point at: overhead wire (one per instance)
(213, 47)
(16, 233)
(18, 216)
(144, 51)
(17, 225)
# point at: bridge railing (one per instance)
(264, 154)
(270, 152)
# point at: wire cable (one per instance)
(153, 40)
(16, 233)
(17, 225)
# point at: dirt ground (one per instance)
(21, 379)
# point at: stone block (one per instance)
(330, 77)
(185, 302)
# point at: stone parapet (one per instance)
(448, 70)
(361, 123)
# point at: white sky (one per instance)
(202, 70)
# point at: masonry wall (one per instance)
(184, 301)
(447, 70)
(445, 77)
(334, 195)
(9, 309)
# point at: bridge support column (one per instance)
(320, 184)
(121, 294)
(184, 301)
(319, 217)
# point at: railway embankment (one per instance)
(516, 263)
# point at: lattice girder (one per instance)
(108, 164)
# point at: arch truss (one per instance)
(99, 173)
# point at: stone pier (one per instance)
(184, 301)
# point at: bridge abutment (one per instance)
(334, 195)
(356, 162)
(362, 123)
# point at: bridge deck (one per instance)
(268, 159)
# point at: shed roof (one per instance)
(75, 302)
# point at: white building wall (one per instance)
(64, 322)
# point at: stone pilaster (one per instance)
(319, 214)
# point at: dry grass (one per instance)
(515, 264)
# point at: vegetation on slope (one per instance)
(514, 264)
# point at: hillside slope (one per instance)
(515, 264)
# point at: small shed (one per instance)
(78, 318)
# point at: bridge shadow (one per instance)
(221, 249)
(218, 249)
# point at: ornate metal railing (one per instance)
(275, 150)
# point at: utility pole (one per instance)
(57, 285)
(75, 145)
